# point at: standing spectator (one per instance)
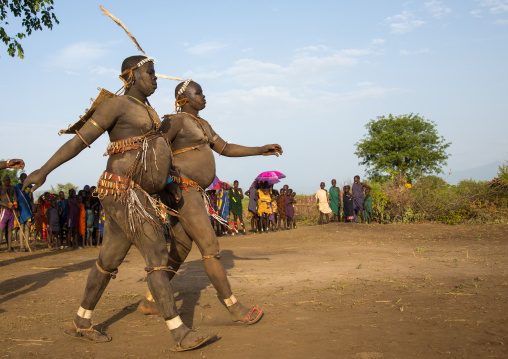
(273, 216)
(367, 206)
(25, 210)
(253, 206)
(53, 224)
(39, 215)
(223, 205)
(89, 224)
(62, 216)
(45, 205)
(73, 209)
(281, 209)
(335, 201)
(323, 203)
(81, 224)
(264, 206)
(236, 196)
(357, 190)
(347, 201)
(102, 220)
(290, 209)
(96, 208)
(8, 204)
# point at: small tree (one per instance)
(63, 187)
(34, 13)
(408, 145)
(13, 173)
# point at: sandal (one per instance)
(178, 346)
(89, 335)
(249, 317)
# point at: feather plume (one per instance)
(119, 23)
(168, 77)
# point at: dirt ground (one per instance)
(331, 291)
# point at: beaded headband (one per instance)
(139, 64)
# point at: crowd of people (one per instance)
(352, 205)
(269, 209)
(71, 222)
(77, 221)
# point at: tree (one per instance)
(34, 13)
(13, 173)
(63, 187)
(408, 145)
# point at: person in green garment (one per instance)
(367, 206)
(334, 193)
(235, 204)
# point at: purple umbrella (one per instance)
(271, 177)
(214, 184)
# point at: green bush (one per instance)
(431, 199)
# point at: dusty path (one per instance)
(333, 291)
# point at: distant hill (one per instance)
(482, 173)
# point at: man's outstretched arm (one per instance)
(12, 163)
(231, 150)
(87, 135)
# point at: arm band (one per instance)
(82, 139)
(220, 153)
(96, 125)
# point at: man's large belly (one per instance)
(150, 173)
(197, 165)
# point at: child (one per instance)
(367, 206)
(347, 200)
(89, 217)
(54, 225)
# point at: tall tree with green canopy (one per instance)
(408, 145)
(34, 15)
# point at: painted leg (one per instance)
(181, 246)
(195, 224)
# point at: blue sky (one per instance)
(306, 75)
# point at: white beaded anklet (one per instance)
(174, 323)
(84, 313)
(230, 301)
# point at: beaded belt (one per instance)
(187, 183)
(131, 143)
(113, 184)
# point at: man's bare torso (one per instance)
(197, 164)
(132, 120)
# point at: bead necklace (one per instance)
(155, 122)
